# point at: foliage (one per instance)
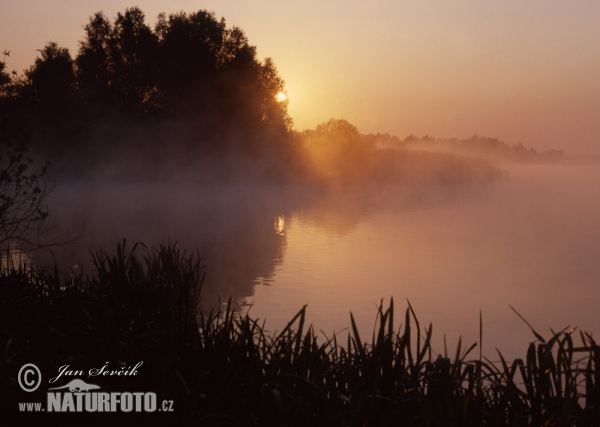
(116, 64)
(222, 368)
(52, 78)
(271, 108)
(6, 84)
(189, 63)
(23, 187)
(189, 90)
(189, 97)
(4, 76)
(337, 154)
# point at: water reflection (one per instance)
(532, 242)
(279, 225)
(239, 231)
(450, 250)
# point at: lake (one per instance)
(531, 240)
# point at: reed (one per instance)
(224, 368)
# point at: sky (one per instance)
(518, 70)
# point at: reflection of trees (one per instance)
(240, 230)
(240, 255)
(231, 227)
(335, 213)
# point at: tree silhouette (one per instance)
(191, 64)
(94, 62)
(274, 112)
(134, 63)
(10, 87)
(52, 79)
(189, 76)
(190, 47)
(338, 153)
(4, 76)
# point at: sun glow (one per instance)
(280, 97)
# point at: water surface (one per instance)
(531, 240)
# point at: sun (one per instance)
(280, 97)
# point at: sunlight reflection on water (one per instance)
(531, 242)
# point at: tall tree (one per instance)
(274, 110)
(191, 70)
(52, 79)
(135, 68)
(337, 153)
(94, 62)
(190, 46)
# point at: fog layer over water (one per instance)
(531, 240)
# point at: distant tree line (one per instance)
(479, 146)
(337, 154)
(194, 84)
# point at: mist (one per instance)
(530, 242)
(529, 239)
(157, 135)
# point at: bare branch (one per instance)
(23, 193)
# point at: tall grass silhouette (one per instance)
(224, 368)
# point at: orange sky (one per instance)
(517, 70)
